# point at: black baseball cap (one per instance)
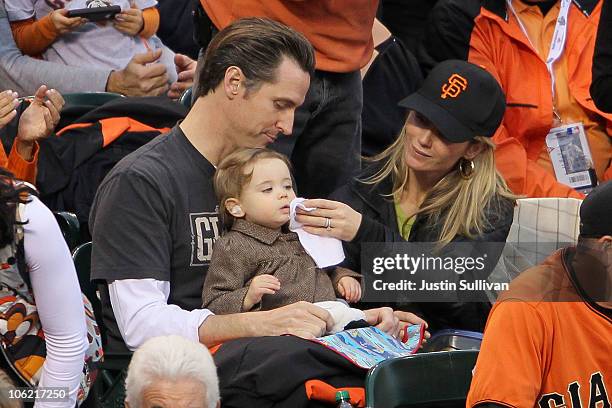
(596, 212)
(461, 100)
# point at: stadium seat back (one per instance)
(70, 227)
(440, 379)
(78, 104)
(82, 262)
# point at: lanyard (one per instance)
(558, 40)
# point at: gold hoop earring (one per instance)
(466, 169)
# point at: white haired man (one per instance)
(171, 371)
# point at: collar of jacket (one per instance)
(500, 7)
(259, 232)
(376, 196)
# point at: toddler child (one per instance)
(258, 264)
(43, 28)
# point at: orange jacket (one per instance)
(491, 40)
(21, 168)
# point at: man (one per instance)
(512, 40)
(141, 77)
(170, 371)
(155, 217)
(547, 342)
(326, 141)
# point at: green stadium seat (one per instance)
(440, 379)
(109, 388)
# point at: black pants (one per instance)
(325, 145)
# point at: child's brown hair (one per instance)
(231, 177)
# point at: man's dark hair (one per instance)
(255, 45)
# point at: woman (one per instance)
(436, 183)
(37, 267)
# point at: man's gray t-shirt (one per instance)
(155, 215)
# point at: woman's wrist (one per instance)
(25, 148)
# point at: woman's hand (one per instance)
(343, 221)
(8, 107)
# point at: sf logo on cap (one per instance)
(454, 86)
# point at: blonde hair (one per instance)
(455, 202)
(230, 177)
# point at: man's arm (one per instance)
(142, 311)
(301, 319)
(512, 358)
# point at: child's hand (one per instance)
(350, 289)
(130, 21)
(64, 24)
(8, 105)
(260, 285)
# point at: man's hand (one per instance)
(130, 21)
(406, 319)
(393, 323)
(64, 24)
(141, 77)
(8, 107)
(185, 68)
(301, 319)
(260, 285)
(350, 289)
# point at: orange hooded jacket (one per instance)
(486, 36)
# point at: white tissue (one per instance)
(325, 251)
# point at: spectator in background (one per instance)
(171, 371)
(325, 145)
(547, 340)
(43, 28)
(176, 26)
(512, 39)
(141, 76)
(406, 19)
(391, 74)
(51, 283)
(35, 123)
(601, 88)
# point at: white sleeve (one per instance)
(145, 4)
(142, 311)
(58, 300)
